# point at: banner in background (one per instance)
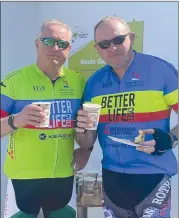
(85, 59)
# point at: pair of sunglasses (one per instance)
(116, 41)
(50, 43)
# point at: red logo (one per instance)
(106, 130)
(136, 75)
(11, 154)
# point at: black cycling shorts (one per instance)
(49, 194)
(136, 196)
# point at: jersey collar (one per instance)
(61, 73)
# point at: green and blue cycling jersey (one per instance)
(41, 152)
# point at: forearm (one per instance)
(5, 128)
(86, 140)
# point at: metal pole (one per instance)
(82, 212)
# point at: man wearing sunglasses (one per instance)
(39, 160)
(136, 92)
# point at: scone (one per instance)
(140, 137)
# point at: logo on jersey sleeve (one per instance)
(66, 84)
(135, 76)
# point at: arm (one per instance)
(85, 138)
(25, 117)
(30, 115)
(165, 141)
(7, 102)
(5, 128)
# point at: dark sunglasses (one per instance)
(116, 41)
(50, 42)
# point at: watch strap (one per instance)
(174, 140)
(10, 122)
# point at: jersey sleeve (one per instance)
(171, 87)
(7, 97)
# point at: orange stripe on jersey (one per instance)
(137, 117)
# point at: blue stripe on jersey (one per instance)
(59, 106)
(6, 103)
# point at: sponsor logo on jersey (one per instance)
(123, 106)
(39, 88)
(107, 84)
(135, 76)
(44, 136)
(66, 84)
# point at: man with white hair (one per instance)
(39, 160)
(137, 93)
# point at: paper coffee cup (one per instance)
(94, 113)
(46, 108)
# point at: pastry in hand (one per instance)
(140, 137)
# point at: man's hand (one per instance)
(161, 143)
(30, 115)
(83, 121)
(81, 157)
(149, 146)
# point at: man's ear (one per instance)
(37, 44)
(96, 47)
(132, 37)
(69, 48)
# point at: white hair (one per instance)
(54, 21)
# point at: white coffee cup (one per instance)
(94, 113)
(46, 108)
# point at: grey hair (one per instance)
(54, 21)
(107, 19)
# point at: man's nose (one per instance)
(112, 47)
(55, 47)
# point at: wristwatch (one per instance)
(10, 122)
(174, 140)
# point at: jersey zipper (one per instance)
(54, 95)
(118, 149)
